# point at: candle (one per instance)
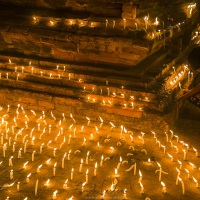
(196, 152)
(106, 23)
(180, 163)
(32, 157)
(18, 186)
(6, 75)
(95, 169)
(142, 188)
(27, 178)
(80, 168)
(84, 140)
(83, 186)
(140, 179)
(25, 146)
(72, 173)
(14, 147)
(38, 168)
(32, 70)
(120, 161)
(124, 23)
(188, 176)
(24, 166)
(172, 159)
(54, 169)
(68, 155)
(114, 24)
(101, 163)
(17, 77)
(184, 154)
(36, 187)
(22, 69)
(41, 146)
(164, 187)
(167, 138)
(19, 153)
(54, 194)
(183, 186)
(63, 162)
(11, 174)
(69, 76)
(177, 178)
(69, 139)
(86, 161)
(54, 152)
(86, 176)
(47, 183)
(195, 180)
(124, 195)
(65, 185)
(10, 164)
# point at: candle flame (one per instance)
(141, 185)
(95, 165)
(86, 171)
(162, 184)
(140, 173)
(28, 175)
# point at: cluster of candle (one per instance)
(49, 151)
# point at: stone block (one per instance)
(46, 104)
(127, 7)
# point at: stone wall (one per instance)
(74, 48)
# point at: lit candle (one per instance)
(196, 152)
(124, 195)
(106, 23)
(68, 155)
(4, 150)
(180, 163)
(101, 163)
(142, 188)
(10, 164)
(54, 152)
(72, 173)
(54, 169)
(124, 23)
(19, 153)
(63, 161)
(6, 75)
(33, 155)
(86, 176)
(69, 139)
(177, 178)
(36, 187)
(184, 154)
(140, 179)
(65, 185)
(32, 70)
(120, 161)
(86, 161)
(27, 178)
(164, 187)
(83, 186)
(183, 186)
(95, 169)
(114, 24)
(47, 183)
(11, 174)
(24, 166)
(18, 186)
(22, 69)
(116, 172)
(188, 173)
(80, 167)
(17, 77)
(41, 146)
(195, 180)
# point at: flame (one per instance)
(140, 173)
(162, 184)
